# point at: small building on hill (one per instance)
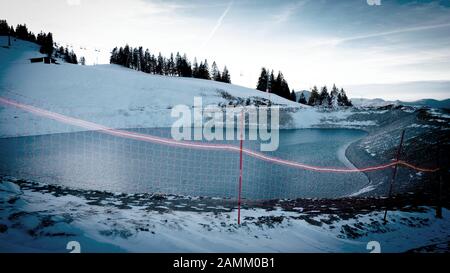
(47, 60)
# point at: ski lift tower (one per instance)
(96, 55)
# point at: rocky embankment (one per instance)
(426, 144)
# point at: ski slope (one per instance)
(107, 94)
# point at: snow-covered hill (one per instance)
(108, 94)
(118, 97)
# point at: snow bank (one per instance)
(44, 221)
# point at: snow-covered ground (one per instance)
(45, 219)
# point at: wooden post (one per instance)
(394, 174)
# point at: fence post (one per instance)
(439, 178)
(394, 174)
(240, 167)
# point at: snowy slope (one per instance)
(107, 94)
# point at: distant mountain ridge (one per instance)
(377, 102)
(306, 93)
(432, 103)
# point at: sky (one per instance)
(313, 42)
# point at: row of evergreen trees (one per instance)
(335, 98)
(276, 85)
(42, 39)
(279, 86)
(22, 32)
(68, 56)
(143, 60)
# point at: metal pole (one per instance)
(439, 178)
(240, 168)
(394, 174)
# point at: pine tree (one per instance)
(185, 67)
(302, 99)
(281, 87)
(285, 93)
(22, 32)
(135, 59)
(262, 80)
(215, 73)
(334, 103)
(324, 97)
(60, 52)
(205, 71)
(146, 61)
(114, 56)
(67, 55)
(314, 98)
(82, 60)
(12, 32)
(165, 66)
(47, 47)
(276, 84)
(178, 65)
(153, 64)
(225, 76)
(293, 96)
(46, 43)
(4, 28)
(73, 57)
(195, 69)
(171, 66)
(141, 60)
(272, 84)
(70, 56)
(126, 58)
(159, 65)
(343, 99)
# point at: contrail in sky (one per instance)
(218, 24)
(385, 33)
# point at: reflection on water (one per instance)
(92, 160)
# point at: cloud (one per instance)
(391, 32)
(73, 2)
(288, 11)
